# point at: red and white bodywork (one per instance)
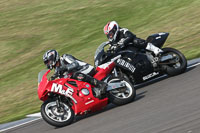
(81, 103)
(65, 97)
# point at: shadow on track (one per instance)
(107, 108)
(138, 97)
(158, 79)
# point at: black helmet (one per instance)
(50, 58)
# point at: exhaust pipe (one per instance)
(165, 58)
(112, 86)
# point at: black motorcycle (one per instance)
(140, 65)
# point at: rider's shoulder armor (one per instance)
(67, 59)
(124, 33)
(123, 30)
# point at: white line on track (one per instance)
(41, 117)
(20, 124)
(194, 65)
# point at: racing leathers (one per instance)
(80, 71)
(125, 37)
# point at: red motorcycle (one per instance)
(65, 97)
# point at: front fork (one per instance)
(115, 72)
(58, 100)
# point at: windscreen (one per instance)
(40, 75)
(100, 49)
(99, 53)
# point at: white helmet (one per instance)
(111, 30)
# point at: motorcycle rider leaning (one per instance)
(80, 70)
(122, 36)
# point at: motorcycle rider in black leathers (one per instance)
(80, 70)
(122, 37)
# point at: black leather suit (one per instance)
(125, 37)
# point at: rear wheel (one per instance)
(124, 95)
(57, 116)
(177, 65)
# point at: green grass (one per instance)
(29, 28)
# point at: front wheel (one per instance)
(177, 65)
(57, 116)
(124, 95)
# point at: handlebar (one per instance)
(114, 48)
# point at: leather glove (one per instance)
(114, 47)
(53, 76)
(122, 46)
(121, 43)
(57, 73)
(58, 70)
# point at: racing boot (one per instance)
(102, 86)
(154, 49)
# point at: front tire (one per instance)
(55, 116)
(121, 98)
(176, 68)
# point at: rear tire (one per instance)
(124, 97)
(179, 67)
(57, 117)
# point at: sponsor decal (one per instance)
(150, 75)
(89, 102)
(158, 37)
(155, 60)
(126, 65)
(96, 63)
(80, 77)
(59, 89)
(87, 85)
(162, 33)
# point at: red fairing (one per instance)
(84, 103)
(81, 103)
(104, 70)
(42, 91)
(80, 93)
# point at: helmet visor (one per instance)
(112, 32)
(110, 35)
(49, 64)
(46, 62)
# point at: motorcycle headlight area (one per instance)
(85, 91)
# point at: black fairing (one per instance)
(158, 39)
(136, 57)
(140, 61)
(143, 67)
(132, 55)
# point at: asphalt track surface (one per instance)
(167, 105)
